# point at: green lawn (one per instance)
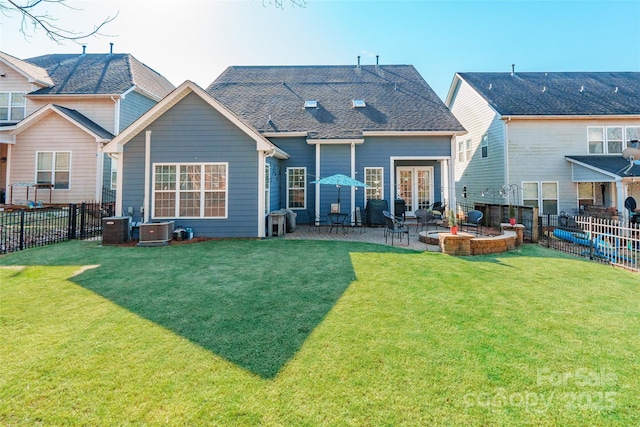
(314, 333)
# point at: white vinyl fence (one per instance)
(603, 240)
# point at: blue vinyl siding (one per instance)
(193, 132)
(133, 106)
(276, 183)
(335, 159)
(377, 151)
(302, 155)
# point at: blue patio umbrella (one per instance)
(340, 180)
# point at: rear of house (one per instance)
(220, 160)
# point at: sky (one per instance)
(198, 39)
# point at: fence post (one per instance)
(83, 220)
(72, 221)
(592, 245)
(22, 229)
(548, 230)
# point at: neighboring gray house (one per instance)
(57, 111)
(219, 160)
(552, 140)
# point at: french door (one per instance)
(415, 187)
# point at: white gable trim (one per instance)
(21, 67)
(116, 145)
(49, 109)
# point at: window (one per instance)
(267, 188)
(374, 179)
(359, 103)
(543, 194)
(469, 154)
(296, 188)
(595, 139)
(485, 146)
(190, 190)
(550, 198)
(54, 167)
(114, 174)
(530, 194)
(632, 133)
(614, 139)
(12, 106)
(461, 151)
(586, 194)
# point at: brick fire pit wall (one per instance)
(464, 244)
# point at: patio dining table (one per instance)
(337, 220)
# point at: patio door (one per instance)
(415, 187)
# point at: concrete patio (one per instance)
(362, 234)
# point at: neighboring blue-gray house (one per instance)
(219, 160)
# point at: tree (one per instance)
(279, 4)
(34, 17)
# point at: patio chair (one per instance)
(316, 220)
(359, 218)
(473, 220)
(438, 209)
(393, 226)
(424, 218)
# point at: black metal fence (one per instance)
(601, 240)
(495, 214)
(23, 228)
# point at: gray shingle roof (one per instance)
(99, 74)
(558, 94)
(85, 121)
(271, 99)
(612, 164)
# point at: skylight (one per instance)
(359, 103)
(310, 103)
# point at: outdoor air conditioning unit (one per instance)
(115, 230)
(156, 232)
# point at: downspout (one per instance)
(117, 157)
(451, 172)
(99, 171)
(316, 208)
(261, 186)
(353, 175)
(147, 176)
(116, 115)
(506, 153)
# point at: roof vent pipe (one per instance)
(84, 49)
(111, 49)
(513, 69)
(377, 60)
(358, 66)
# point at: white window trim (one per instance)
(304, 188)
(542, 198)
(381, 183)
(605, 139)
(468, 148)
(461, 150)
(10, 107)
(53, 171)
(177, 190)
(114, 169)
(484, 143)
